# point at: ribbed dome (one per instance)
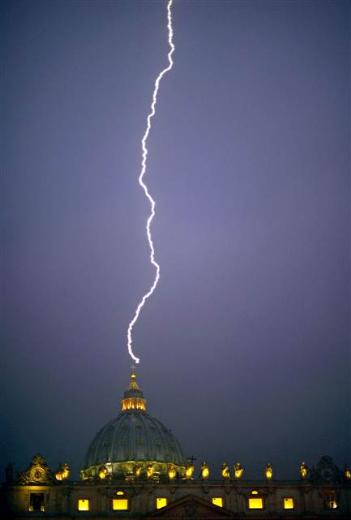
(133, 442)
(134, 436)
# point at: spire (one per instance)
(133, 398)
(133, 385)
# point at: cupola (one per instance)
(133, 397)
(134, 445)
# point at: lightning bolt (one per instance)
(145, 153)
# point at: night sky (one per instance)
(245, 346)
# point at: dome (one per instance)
(133, 442)
(134, 435)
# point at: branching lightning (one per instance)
(144, 186)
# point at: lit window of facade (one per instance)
(120, 504)
(161, 502)
(255, 501)
(217, 501)
(288, 503)
(83, 504)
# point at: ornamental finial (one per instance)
(133, 385)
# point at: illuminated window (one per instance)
(217, 501)
(288, 503)
(83, 504)
(120, 504)
(161, 502)
(36, 502)
(255, 502)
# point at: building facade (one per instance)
(135, 468)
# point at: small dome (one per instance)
(133, 439)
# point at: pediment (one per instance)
(37, 473)
(191, 507)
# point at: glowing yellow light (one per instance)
(303, 470)
(63, 472)
(332, 503)
(133, 403)
(120, 493)
(238, 470)
(103, 472)
(347, 473)
(137, 471)
(225, 470)
(161, 502)
(217, 501)
(255, 503)
(205, 471)
(58, 475)
(288, 503)
(120, 504)
(189, 471)
(268, 471)
(83, 504)
(149, 471)
(40, 508)
(172, 473)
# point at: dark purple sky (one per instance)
(245, 346)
